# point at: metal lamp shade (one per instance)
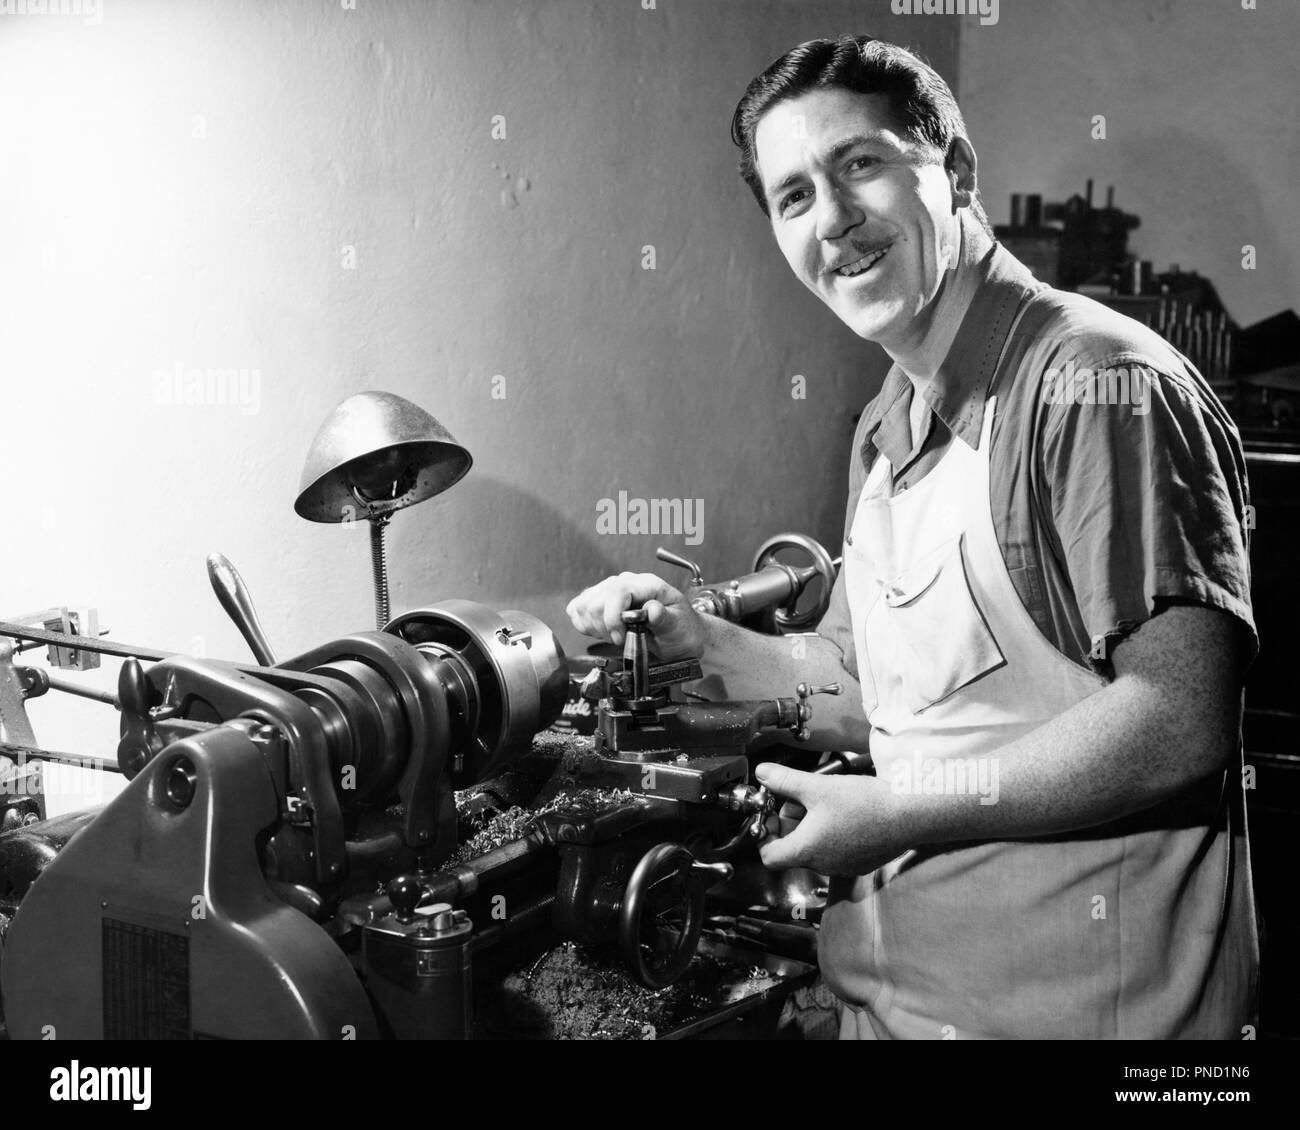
(374, 454)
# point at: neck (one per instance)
(920, 353)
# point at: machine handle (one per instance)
(666, 890)
(772, 585)
(787, 617)
(803, 713)
(666, 555)
(235, 599)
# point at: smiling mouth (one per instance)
(863, 265)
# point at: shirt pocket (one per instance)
(942, 641)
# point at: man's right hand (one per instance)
(677, 631)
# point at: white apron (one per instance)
(1091, 935)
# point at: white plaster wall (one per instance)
(179, 182)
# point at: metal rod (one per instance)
(23, 754)
(83, 643)
(59, 683)
(1275, 458)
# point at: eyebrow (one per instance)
(837, 151)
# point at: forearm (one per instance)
(740, 664)
(1118, 751)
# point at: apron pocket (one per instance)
(943, 642)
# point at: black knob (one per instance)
(404, 893)
(134, 691)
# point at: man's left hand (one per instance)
(851, 825)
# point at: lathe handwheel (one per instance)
(789, 617)
(661, 917)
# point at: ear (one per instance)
(961, 165)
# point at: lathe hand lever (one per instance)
(666, 555)
(235, 599)
(140, 739)
(133, 689)
(805, 692)
(404, 892)
(757, 803)
(636, 652)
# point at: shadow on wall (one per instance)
(506, 522)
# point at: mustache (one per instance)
(861, 248)
(867, 246)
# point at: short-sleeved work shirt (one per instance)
(1117, 478)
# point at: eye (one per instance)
(792, 199)
(858, 164)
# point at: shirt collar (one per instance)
(960, 387)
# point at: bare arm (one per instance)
(749, 665)
(739, 664)
(1169, 719)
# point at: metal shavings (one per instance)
(589, 802)
(464, 797)
(515, 822)
(500, 829)
(579, 995)
(576, 753)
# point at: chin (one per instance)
(870, 325)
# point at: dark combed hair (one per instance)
(921, 103)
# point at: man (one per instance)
(1045, 589)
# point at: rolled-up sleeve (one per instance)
(1148, 500)
(836, 624)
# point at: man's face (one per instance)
(863, 215)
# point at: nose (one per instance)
(837, 213)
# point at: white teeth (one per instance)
(850, 270)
